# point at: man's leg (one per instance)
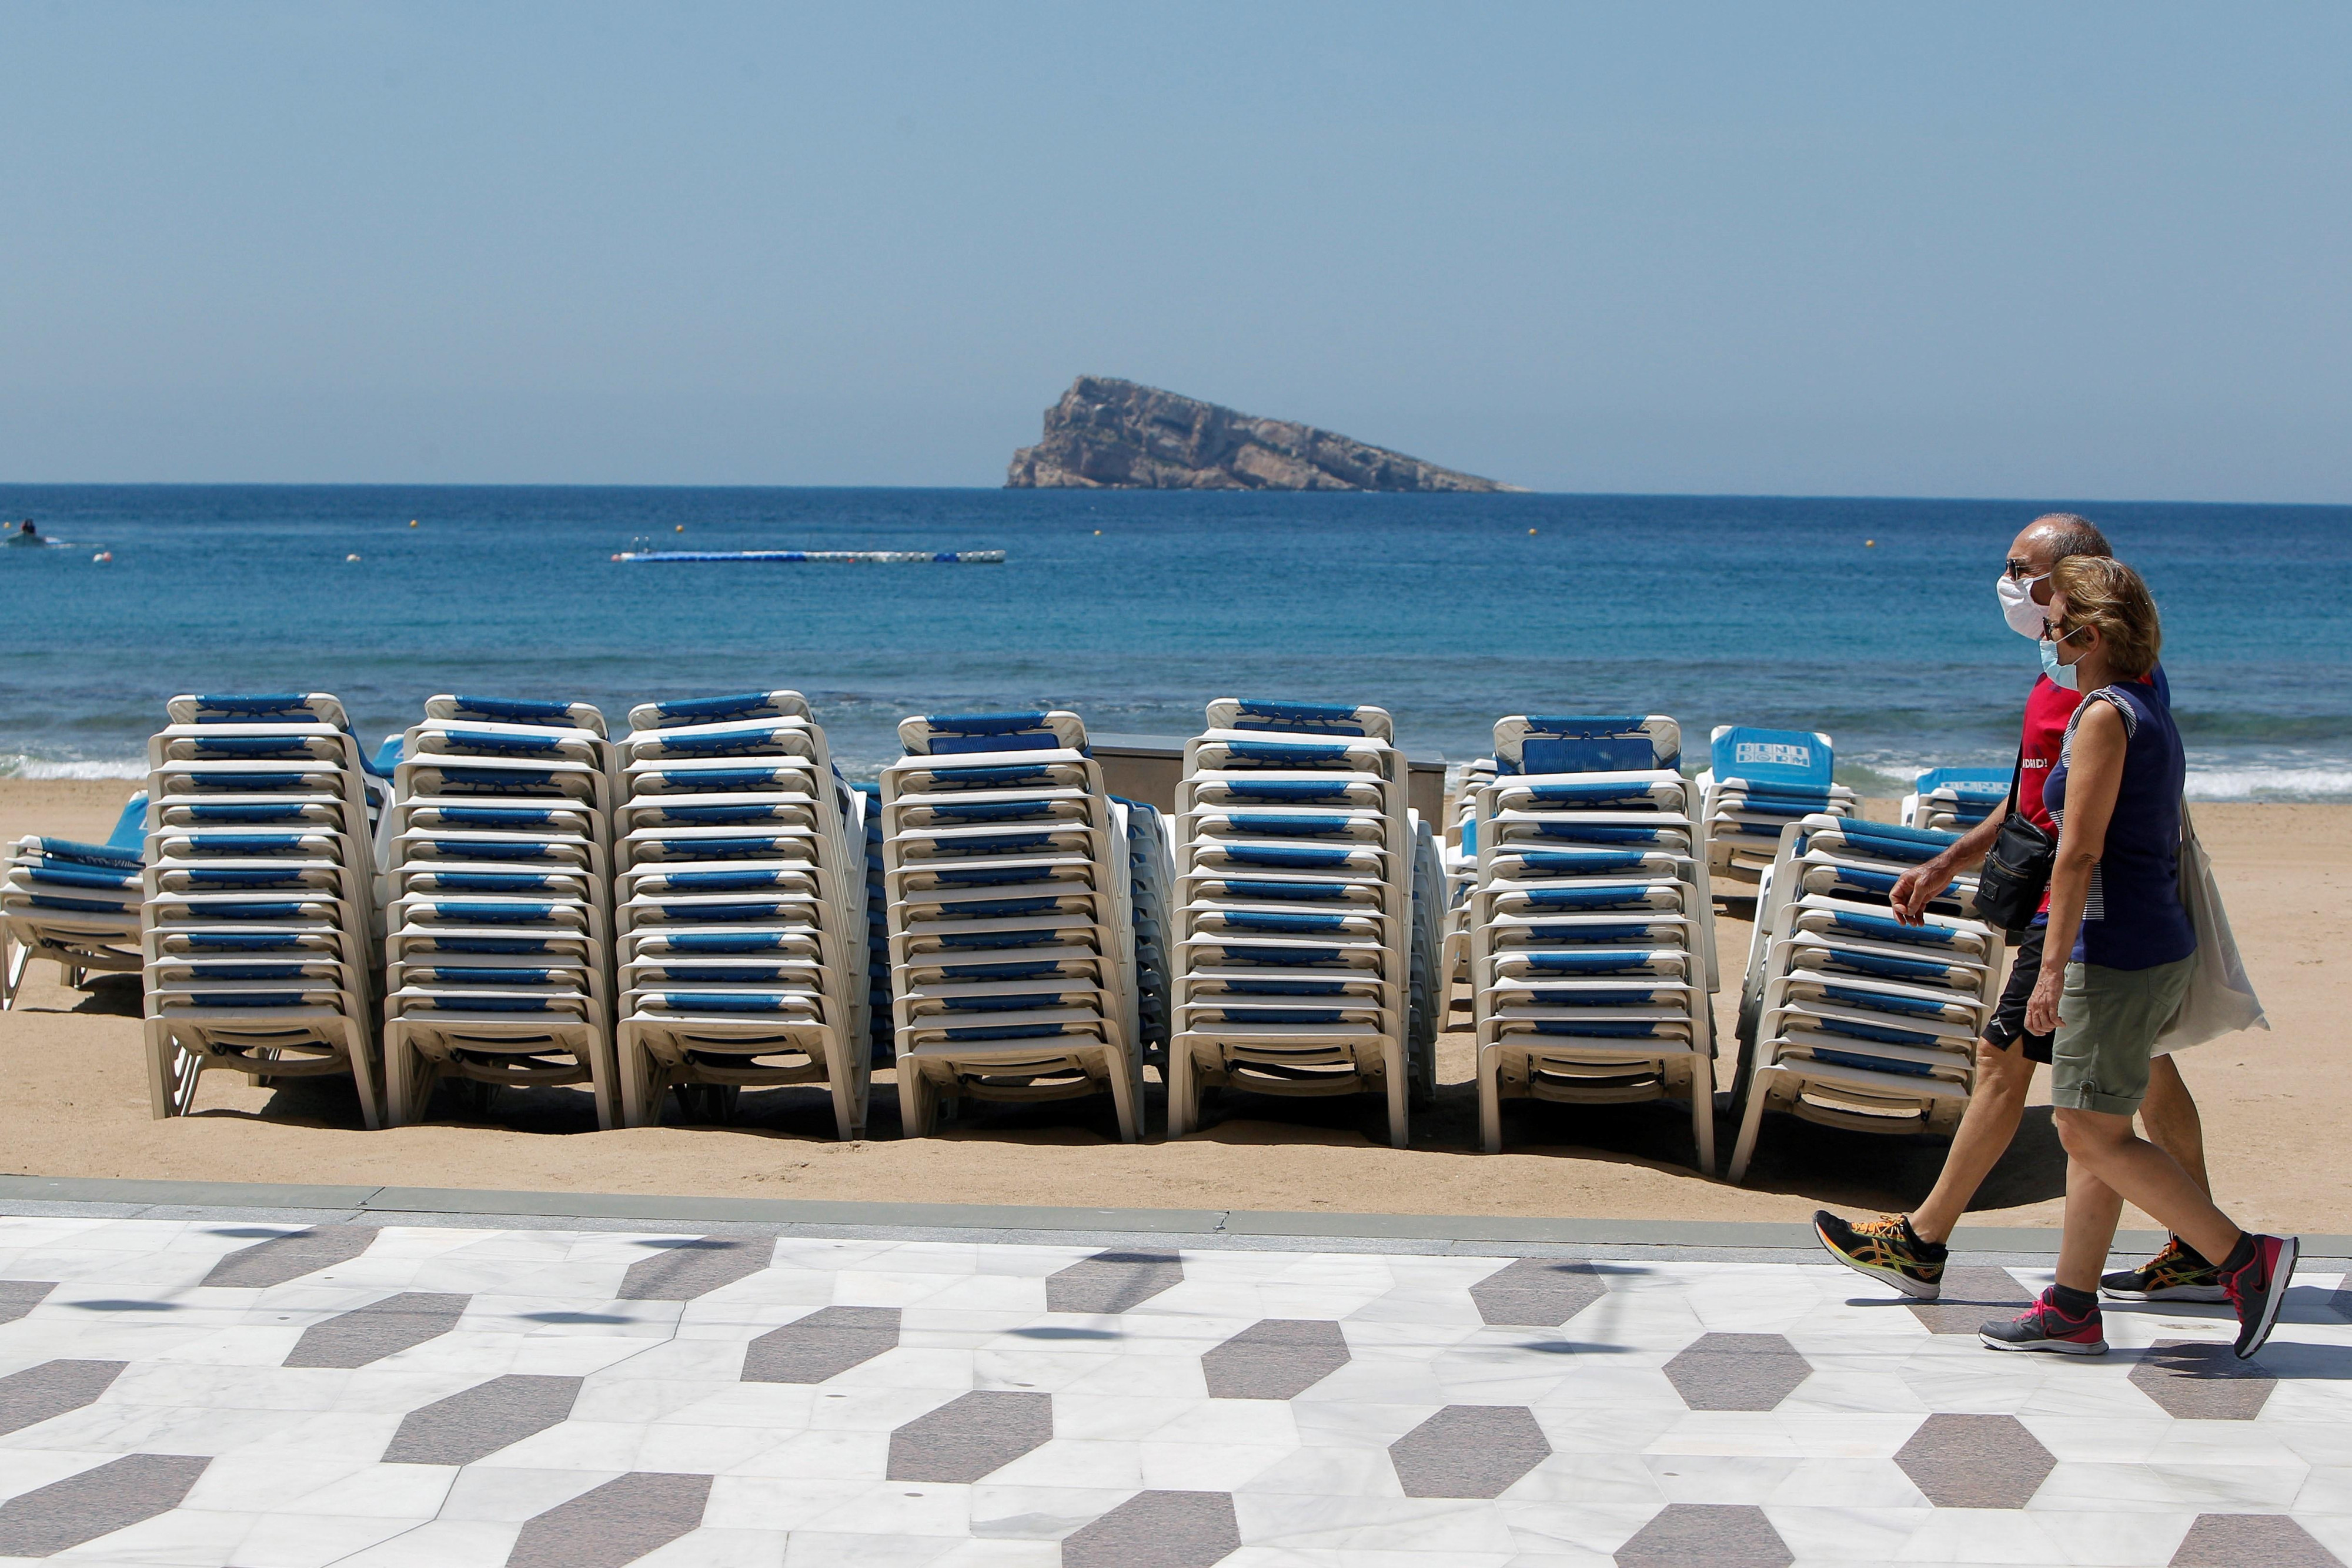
(2170, 1115)
(1987, 1128)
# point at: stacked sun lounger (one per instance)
(1591, 926)
(1295, 910)
(1850, 1018)
(1151, 872)
(1761, 780)
(1955, 798)
(882, 1036)
(1458, 858)
(741, 903)
(257, 917)
(1010, 878)
(497, 894)
(74, 904)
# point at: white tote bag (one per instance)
(2220, 999)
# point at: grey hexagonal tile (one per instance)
(2244, 1539)
(291, 1256)
(377, 1330)
(1738, 1371)
(2202, 1380)
(825, 1344)
(1278, 1358)
(1975, 1461)
(684, 1269)
(477, 1422)
(37, 1393)
(1718, 1536)
(94, 1502)
(1469, 1450)
(1158, 1529)
(1537, 1292)
(1112, 1281)
(968, 1437)
(627, 1517)
(18, 1297)
(1972, 1297)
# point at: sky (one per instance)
(2065, 251)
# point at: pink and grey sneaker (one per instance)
(2257, 1286)
(2045, 1326)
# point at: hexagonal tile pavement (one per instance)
(1972, 1297)
(825, 1344)
(1277, 1358)
(1158, 1529)
(1975, 1461)
(2244, 1539)
(290, 1257)
(966, 1438)
(2202, 1380)
(18, 1297)
(1469, 1450)
(477, 1422)
(1112, 1281)
(31, 1397)
(618, 1522)
(1718, 1535)
(1738, 1371)
(94, 1502)
(379, 1329)
(683, 1269)
(1537, 1292)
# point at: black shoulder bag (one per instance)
(2016, 870)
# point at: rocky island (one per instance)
(1111, 434)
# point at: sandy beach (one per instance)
(2274, 1105)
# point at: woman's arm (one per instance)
(2095, 772)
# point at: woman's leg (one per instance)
(2140, 1172)
(2093, 1209)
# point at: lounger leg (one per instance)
(915, 1100)
(841, 1081)
(604, 1072)
(14, 956)
(160, 1073)
(403, 1105)
(1751, 1121)
(1399, 1131)
(363, 1071)
(1703, 1116)
(1123, 1098)
(1490, 1100)
(630, 1055)
(1183, 1089)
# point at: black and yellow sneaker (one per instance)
(1887, 1249)
(2176, 1274)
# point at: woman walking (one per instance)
(2114, 966)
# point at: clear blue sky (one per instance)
(2034, 250)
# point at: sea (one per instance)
(1874, 621)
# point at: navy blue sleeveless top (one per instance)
(2132, 918)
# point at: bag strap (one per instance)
(2015, 774)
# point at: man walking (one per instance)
(1907, 1251)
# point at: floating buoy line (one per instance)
(823, 556)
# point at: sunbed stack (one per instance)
(1758, 783)
(1458, 856)
(1850, 1017)
(258, 920)
(1591, 926)
(882, 1037)
(741, 902)
(498, 895)
(1010, 877)
(1151, 872)
(1955, 799)
(74, 904)
(1295, 910)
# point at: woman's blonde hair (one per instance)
(2104, 592)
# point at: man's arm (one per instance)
(1922, 881)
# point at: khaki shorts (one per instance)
(2107, 1023)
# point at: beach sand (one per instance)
(2274, 1105)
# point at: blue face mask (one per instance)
(2063, 677)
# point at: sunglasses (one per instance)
(2019, 569)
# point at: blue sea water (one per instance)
(1872, 620)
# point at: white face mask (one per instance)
(2017, 606)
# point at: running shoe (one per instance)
(2045, 1326)
(2179, 1273)
(1885, 1250)
(2258, 1287)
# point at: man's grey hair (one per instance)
(2070, 535)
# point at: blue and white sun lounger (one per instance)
(258, 909)
(1295, 911)
(1849, 1018)
(1761, 782)
(1955, 799)
(742, 894)
(74, 904)
(1010, 882)
(498, 888)
(1590, 922)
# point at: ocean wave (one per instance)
(2258, 783)
(20, 765)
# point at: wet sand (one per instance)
(2275, 1106)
